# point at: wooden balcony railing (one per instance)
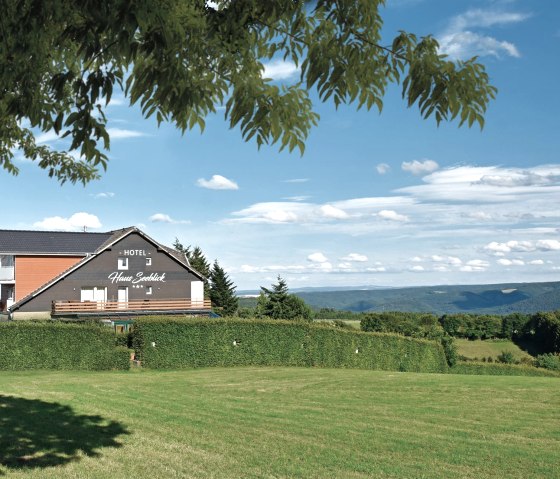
(64, 307)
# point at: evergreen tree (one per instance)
(197, 260)
(278, 303)
(222, 291)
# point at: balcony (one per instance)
(116, 308)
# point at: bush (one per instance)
(548, 361)
(506, 357)
(55, 345)
(169, 343)
(497, 369)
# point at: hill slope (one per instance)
(491, 299)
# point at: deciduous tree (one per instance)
(62, 60)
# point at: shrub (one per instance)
(500, 369)
(55, 345)
(506, 357)
(186, 343)
(548, 361)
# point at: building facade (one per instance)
(125, 271)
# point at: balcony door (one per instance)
(94, 294)
(122, 297)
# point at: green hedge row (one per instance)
(165, 343)
(53, 345)
(498, 369)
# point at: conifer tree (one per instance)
(278, 303)
(222, 291)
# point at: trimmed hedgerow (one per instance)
(500, 369)
(53, 345)
(165, 343)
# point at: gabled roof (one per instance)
(114, 237)
(21, 242)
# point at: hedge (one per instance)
(498, 369)
(165, 343)
(54, 345)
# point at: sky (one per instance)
(383, 199)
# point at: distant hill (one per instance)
(481, 299)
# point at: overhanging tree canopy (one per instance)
(60, 61)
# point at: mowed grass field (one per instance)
(489, 348)
(277, 423)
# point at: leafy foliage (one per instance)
(179, 343)
(222, 291)
(500, 369)
(278, 303)
(53, 345)
(61, 61)
(548, 361)
(197, 260)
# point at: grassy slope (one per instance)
(484, 349)
(254, 423)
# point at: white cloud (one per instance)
(164, 218)
(329, 211)
(107, 194)
(297, 198)
(297, 180)
(75, 222)
(460, 41)
(417, 167)
(280, 70)
(217, 182)
(450, 260)
(417, 268)
(120, 133)
(548, 245)
(478, 263)
(536, 262)
(355, 257)
(510, 262)
(317, 258)
(392, 216)
(383, 168)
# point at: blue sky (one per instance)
(386, 199)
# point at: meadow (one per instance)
(489, 348)
(277, 423)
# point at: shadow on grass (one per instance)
(37, 434)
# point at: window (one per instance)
(148, 290)
(122, 263)
(148, 261)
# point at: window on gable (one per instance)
(122, 263)
(148, 261)
(148, 290)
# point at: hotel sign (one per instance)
(121, 277)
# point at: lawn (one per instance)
(277, 423)
(489, 348)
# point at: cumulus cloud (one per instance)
(329, 211)
(462, 38)
(383, 168)
(391, 215)
(523, 246)
(164, 218)
(317, 258)
(217, 182)
(536, 262)
(419, 167)
(75, 222)
(416, 268)
(450, 260)
(355, 257)
(280, 70)
(510, 262)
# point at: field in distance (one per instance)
(276, 422)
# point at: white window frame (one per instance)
(122, 263)
(149, 290)
(148, 261)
